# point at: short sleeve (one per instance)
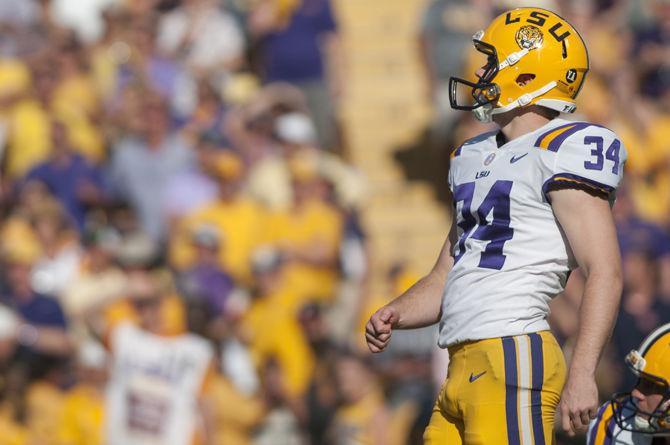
(591, 157)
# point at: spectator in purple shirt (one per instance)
(75, 182)
(43, 342)
(300, 46)
(206, 280)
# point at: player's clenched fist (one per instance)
(579, 403)
(379, 327)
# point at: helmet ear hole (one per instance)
(524, 79)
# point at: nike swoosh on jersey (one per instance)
(474, 377)
(513, 159)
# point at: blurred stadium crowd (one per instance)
(182, 253)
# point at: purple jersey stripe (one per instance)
(537, 360)
(609, 434)
(555, 144)
(596, 425)
(580, 179)
(538, 142)
(570, 129)
(511, 391)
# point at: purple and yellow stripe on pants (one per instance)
(524, 377)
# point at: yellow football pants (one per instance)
(499, 391)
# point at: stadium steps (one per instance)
(384, 108)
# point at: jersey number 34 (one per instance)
(475, 224)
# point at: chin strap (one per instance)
(486, 112)
(513, 58)
(525, 99)
(636, 361)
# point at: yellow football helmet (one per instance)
(650, 362)
(534, 56)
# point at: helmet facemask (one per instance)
(630, 417)
(628, 414)
(484, 92)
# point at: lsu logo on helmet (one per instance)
(533, 56)
(529, 37)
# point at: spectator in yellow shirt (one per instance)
(234, 414)
(76, 101)
(308, 234)
(28, 135)
(44, 407)
(272, 327)
(239, 220)
(13, 433)
(362, 417)
(82, 418)
(29, 123)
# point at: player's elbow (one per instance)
(608, 276)
(616, 285)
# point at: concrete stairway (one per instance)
(384, 107)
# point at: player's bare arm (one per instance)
(587, 222)
(419, 306)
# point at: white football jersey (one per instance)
(152, 395)
(511, 257)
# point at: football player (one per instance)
(642, 416)
(531, 203)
